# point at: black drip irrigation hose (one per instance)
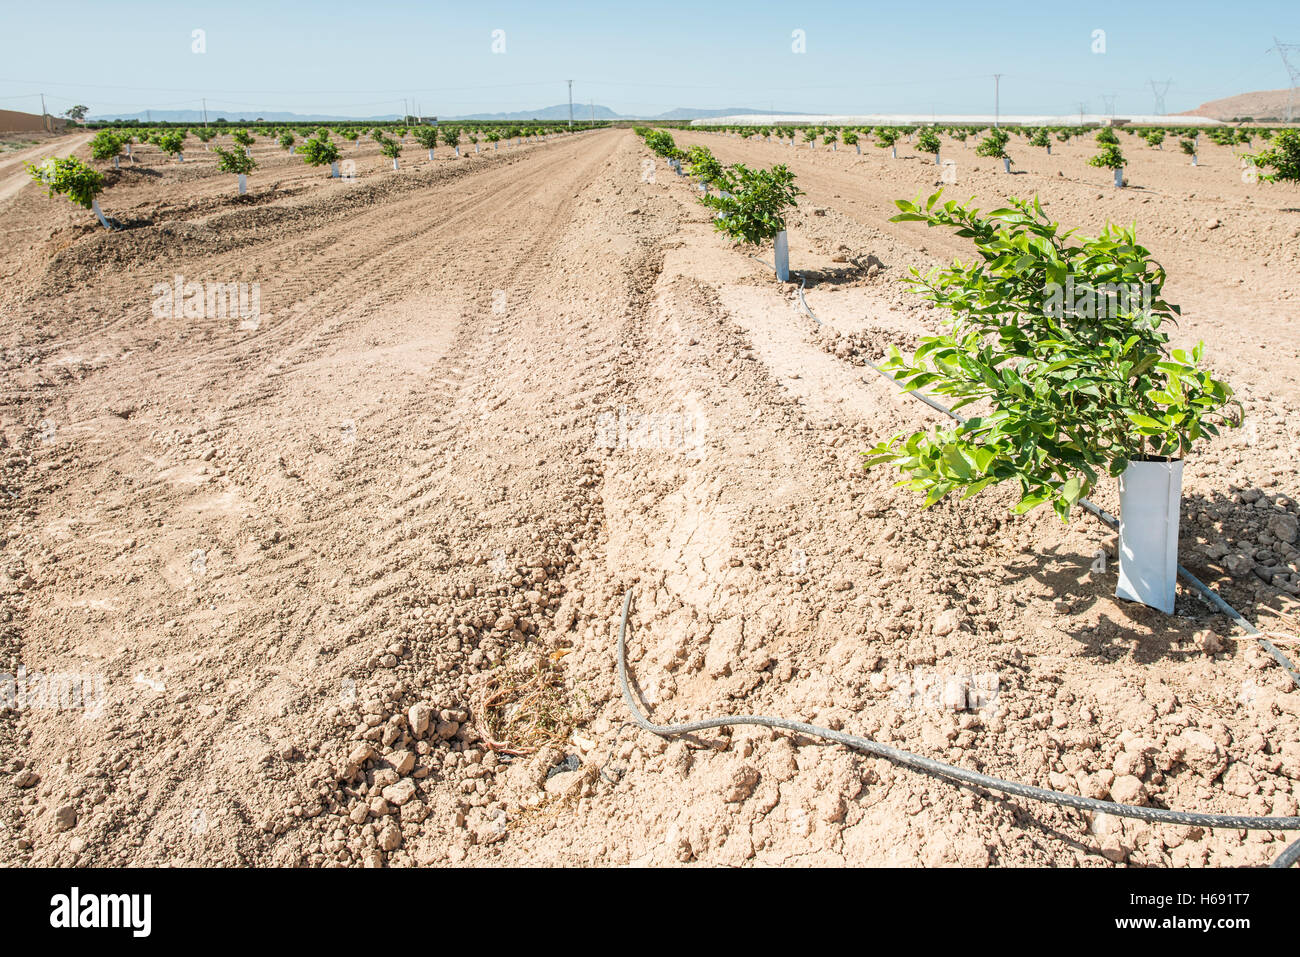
(1207, 593)
(951, 771)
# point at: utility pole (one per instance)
(205, 112)
(570, 104)
(592, 104)
(45, 124)
(997, 103)
(1083, 108)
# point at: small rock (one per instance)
(399, 793)
(414, 812)
(1128, 789)
(1284, 527)
(1198, 751)
(947, 621)
(1238, 564)
(27, 778)
(65, 818)
(743, 781)
(390, 838)
(418, 717)
(1207, 641)
(401, 761)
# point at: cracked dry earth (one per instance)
(348, 577)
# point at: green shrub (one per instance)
(234, 161)
(1069, 393)
(704, 164)
(70, 177)
(1110, 157)
(318, 152)
(994, 144)
(755, 209)
(106, 144)
(1282, 157)
(172, 143)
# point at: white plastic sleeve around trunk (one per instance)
(94, 208)
(243, 184)
(1149, 498)
(782, 253)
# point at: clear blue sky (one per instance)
(362, 57)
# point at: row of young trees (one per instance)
(1222, 135)
(1278, 159)
(750, 204)
(82, 183)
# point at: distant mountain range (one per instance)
(560, 113)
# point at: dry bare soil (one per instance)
(348, 573)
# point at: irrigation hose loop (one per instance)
(951, 771)
(1289, 856)
(1110, 520)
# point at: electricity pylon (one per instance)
(1292, 64)
(1160, 89)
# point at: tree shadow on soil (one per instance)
(114, 176)
(1120, 627)
(1125, 627)
(855, 272)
